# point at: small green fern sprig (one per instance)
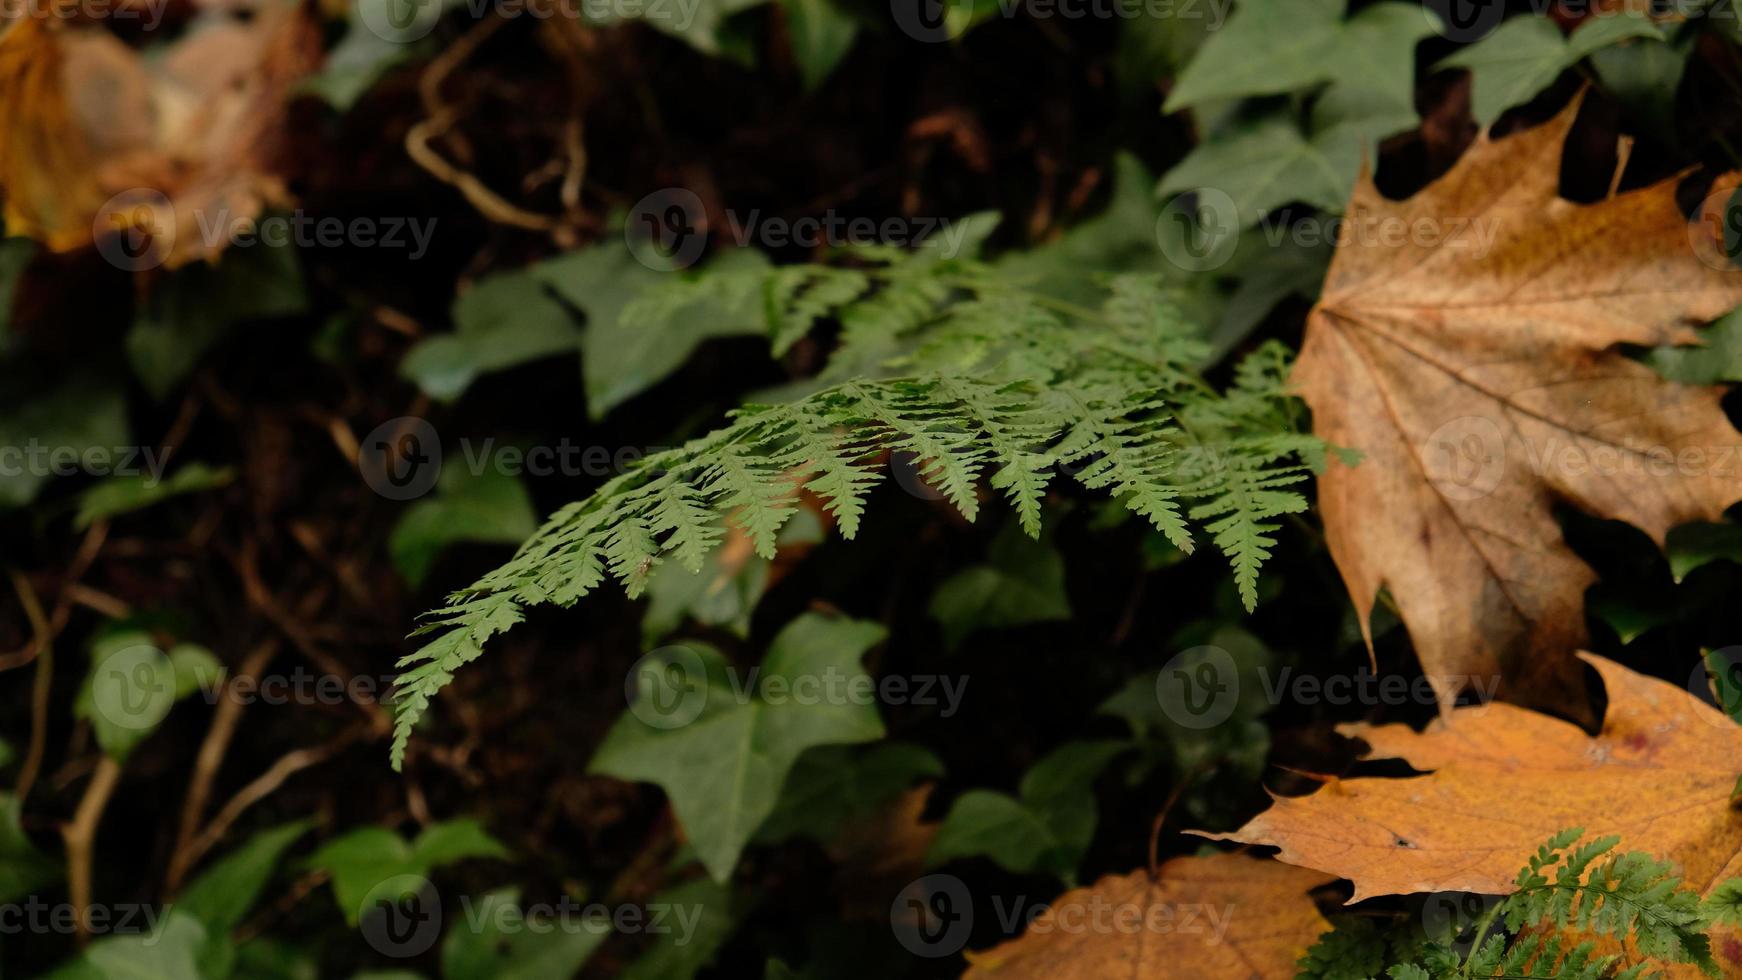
(1565, 895)
(1002, 390)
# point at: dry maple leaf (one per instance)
(1222, 915)
(1465, 342)
(1660, 774)
(97, 138)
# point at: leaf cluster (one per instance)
(977, 381)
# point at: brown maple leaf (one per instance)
(98, 139)
(1503, 779)
(1221, 915)
(1466, 342)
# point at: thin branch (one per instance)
(217, 742)
(42, 650)
(262, 786)
(79, 836)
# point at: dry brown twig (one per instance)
(41, 650)
(441, 119)
(81, 834)
(225, 720)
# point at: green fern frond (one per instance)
(995, 387)
(1567, 894)
(797, 296)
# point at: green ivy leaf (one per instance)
(724, 766)
(1526, 54)
(1046, 828)
(368, 857)
(15, 256)
(85, 413)
(713, 912)
(832, 784)
(1267, 163)
(125, 493)
(1267, 47)
(269, 958)
(1692, 546)
(1718, 361)
(363, 55)
(821, 34)
(23, 868)
(1644, 77)
(170, 952)
(222, 896)
(503, 321)
(620, 360)
(489, 507)
(132, 685)
(504, 945)
(1022, 582)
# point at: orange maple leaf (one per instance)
(1220, 915)
(1466, 342)
(1659, 774)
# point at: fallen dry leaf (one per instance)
(1660, 774)
(99, 140)
(1223, 915)
(1466, 343)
